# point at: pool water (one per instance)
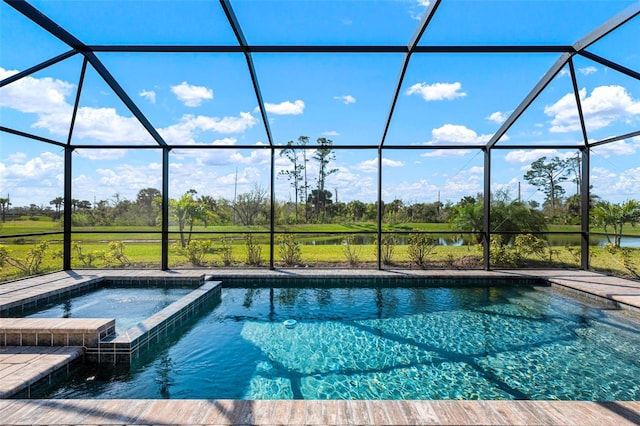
(128, 305)
(504, 342)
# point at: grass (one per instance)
(144, 249)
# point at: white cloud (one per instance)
(101, 154)
(437, 91)
(445, 153)
(587, 70)
(33, 180)
(124, 179)
(605, 105)
(226, 124)
(150, 95)
(528, 157)
(617, 148)
(417, 11)
(564, 72)
(616, 186)
(105, 125)
(17, 157)
(456, 134)
(419, 190)
(346, 99)
(466, 182)
(370, 166)
(36, 95)
(499, 117)
(46, 97)
(285, 108)
(224, 156)
(33, 169)
(352, 186)
(330, 133)
(190, 126)
(191, 96)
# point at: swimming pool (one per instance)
(496, 342)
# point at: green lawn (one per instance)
(320, 248)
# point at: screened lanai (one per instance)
(353, 134)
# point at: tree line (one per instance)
(313, 203)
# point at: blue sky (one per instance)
(207, 99)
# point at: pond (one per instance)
(555, 240)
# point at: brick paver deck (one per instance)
(228, 412)
(24, 366)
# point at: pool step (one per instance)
(22, 368)
(85, 332)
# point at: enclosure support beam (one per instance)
(609, 26)
(576, 92)
(37, 68)
(585, 197)
(607, 63)
(615, 138)
(66, 238)
(426, 18)
(165, 210)
(380, 210)
(57, 31)
(83, 71)
(30, 136)
(486, 217)
(242, 41)
(272, 200)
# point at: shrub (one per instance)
(227, 251)
(529, 244)
(115, 255)
(254, 250)
(351, 250)
(32, 261)
(420, 246)
(387, 248)
(289, 250)
(623, 256)
(523, 245)
(87, 259)
(195, 251)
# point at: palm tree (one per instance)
(507, 217)
(57, 203)
(4, 206)
(468, 217)
(615, 216)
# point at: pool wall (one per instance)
(231, 281)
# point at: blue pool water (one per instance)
(504, 342)
(128, 305)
